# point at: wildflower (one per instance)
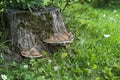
(49, 61)
(56, 68)
(25, 66)
(4, 77)
(107, 35)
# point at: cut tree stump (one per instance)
(29, 30)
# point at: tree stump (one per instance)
(29, 30)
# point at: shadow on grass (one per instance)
(110, 6)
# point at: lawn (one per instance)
(93, 55)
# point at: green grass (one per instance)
(91, 56)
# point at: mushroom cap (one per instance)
(60, 38)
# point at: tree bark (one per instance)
(28, 30)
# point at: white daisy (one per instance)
(49, 61)
(107, 35)
(4, 77)
(56, 68)
(25, 66)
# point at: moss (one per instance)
(41, 25)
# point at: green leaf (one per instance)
(79, 51)
(108, 70)
(64, 55)
(98, 78)
(41, 78)
(29, 7)
(94, 66)
(44, 53)
(93, 57)
(46, 2)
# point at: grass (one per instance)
(91, 56)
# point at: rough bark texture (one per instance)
(28, 30)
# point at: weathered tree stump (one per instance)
(28, 30)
